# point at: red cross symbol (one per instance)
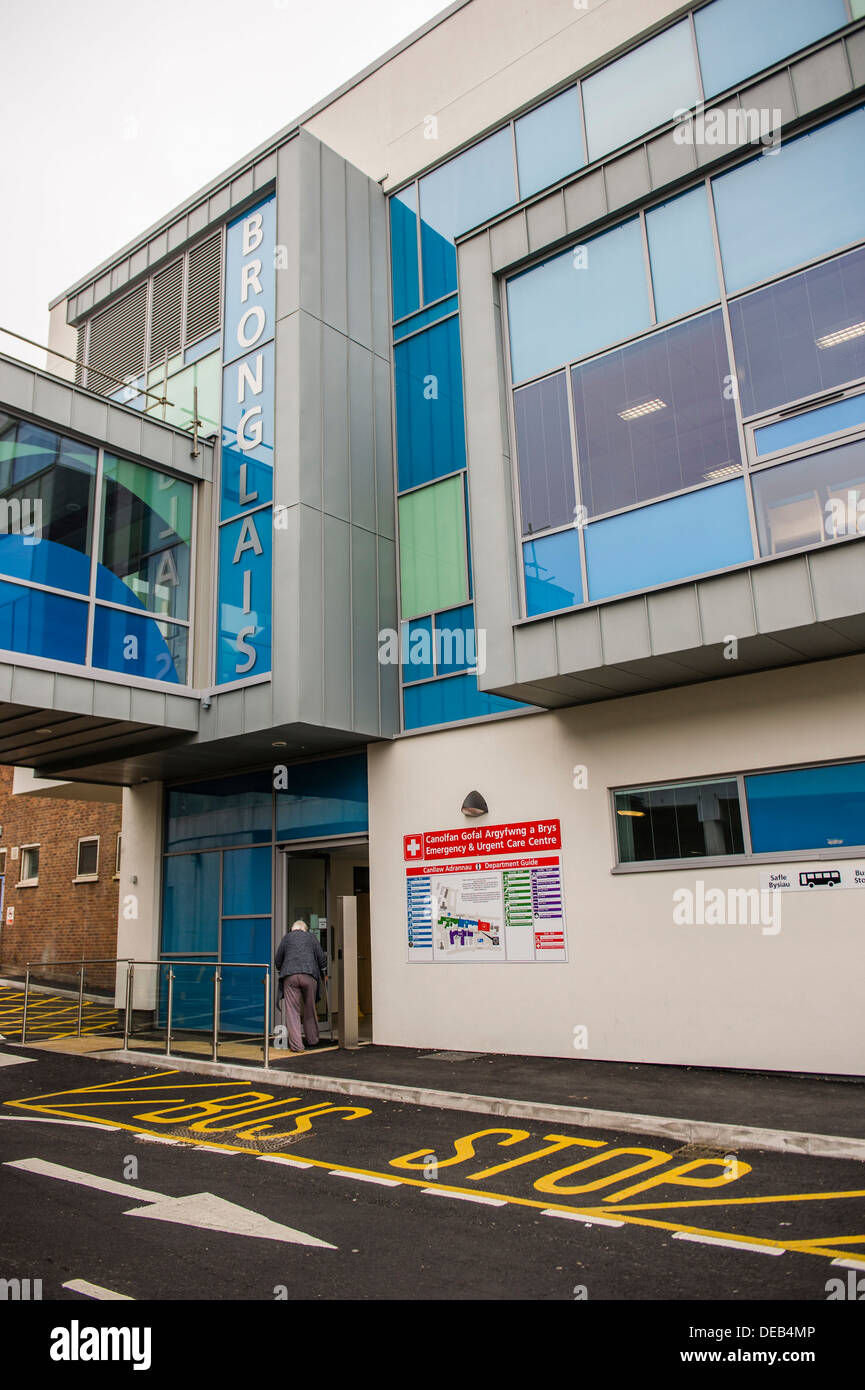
(412, 846)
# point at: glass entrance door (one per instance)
(307, 894)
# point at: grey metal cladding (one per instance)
(336, 487)
(365, 628)
(337, 621)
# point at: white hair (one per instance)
(299, 926)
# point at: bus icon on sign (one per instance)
(821, 878)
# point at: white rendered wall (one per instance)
(646, 989)
(140, 887)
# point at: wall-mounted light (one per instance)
(474, 805)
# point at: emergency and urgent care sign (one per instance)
(246, 456)
(485, 893)
(469, 842)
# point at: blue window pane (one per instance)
(241, 1002)
(417, 650)
(453, 698)
(230, 811)
(693, 534)
(654, 418)
(403, 247)
(42, 624)
(549, 142)
(323, 798)
(802, 200)
(811, 500)
(426, 317)
(641, 90)
(544, 458)
(684, 274)
(736, 38)
(812, 424)
(190, 912)
(430, 427)
(139, 646)
(810, 808)
(578, 302)
(552, 567)
(802, 335)
(474, 186)
(245, 882)
(456, 641)
(45, 562)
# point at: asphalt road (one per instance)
(394, 1225)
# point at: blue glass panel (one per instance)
(244, 635)
(684, 274)
(474, 186)
(403, 249)
(549, 142)
(578, 302)
(46, 562)
(42, 624)
(812, 424)
(447, 700)
(552, 567)
(456, 648)
(736, 38)
(241, 1003)
(810, 808)
(425, 317)
(190, 912)
(692, 534)
(139, 646)
(811, 500)
(417, 650)
(801, 335)
(430, 427)
(246, 475)
(230, 811)
(192, 1005)
(640, 90)
(245, 882)
(323, 798)
(796, 202)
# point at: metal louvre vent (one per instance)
(117, 342)
(166, 312)
(203, 288)
(80, 354)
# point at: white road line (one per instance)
(851, 1264)
(586, 1220)
(465, 1196)
(289, 1162)
(129, 1190)
(215, 1149)
(730, 1244)
(55, 1120)
(365, 1177)
(160, 1139)
(96, 1291)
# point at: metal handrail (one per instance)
(130, 962)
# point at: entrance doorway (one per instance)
(313, 878)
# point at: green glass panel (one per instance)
(857, 9)
(432, 548)
(206, 376)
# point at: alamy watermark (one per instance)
(21, 516)
(730, 907)
(729, 125)
(455, 648)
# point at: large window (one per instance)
(796, 811)
(640, 90)
(132, 568)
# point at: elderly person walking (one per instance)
(301, 964)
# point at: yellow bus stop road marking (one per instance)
(142, 1093)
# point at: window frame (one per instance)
(28, 882)
(747, 856)
(85, 877)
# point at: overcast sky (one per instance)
(113, 113)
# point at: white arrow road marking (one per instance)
(55, 1120)
(202, 1209)
(8, 1061)
(96, 1291)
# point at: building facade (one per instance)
(460, 505)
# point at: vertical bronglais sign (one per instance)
(246, 470)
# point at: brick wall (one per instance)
(57, 919)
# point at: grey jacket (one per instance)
(298, 953)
